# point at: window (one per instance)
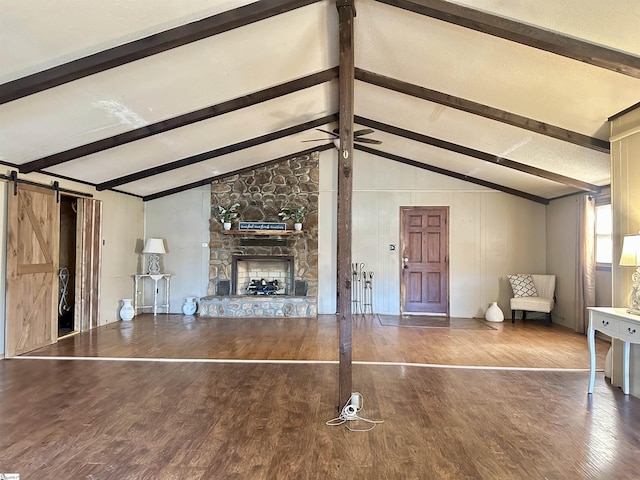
(604, 241)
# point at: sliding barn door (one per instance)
(32, 266)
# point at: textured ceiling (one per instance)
(251, 66)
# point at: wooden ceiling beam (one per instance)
(525, 34)
(449, 173)
(482, 110)
(181, 120)
(470, 152)
(207, 181)
(145, 47)
(201, 157)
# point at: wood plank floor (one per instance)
(203, 418)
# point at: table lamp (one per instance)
(630, 257)
(154, 247)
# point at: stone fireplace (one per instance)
(239, 257)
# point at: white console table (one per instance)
(138, 292)
(616, 323)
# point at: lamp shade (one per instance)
(154, 245)
(630, 256)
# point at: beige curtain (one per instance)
(585, 262)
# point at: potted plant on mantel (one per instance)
(296, 214)
(227, 214)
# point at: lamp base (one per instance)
(154, 264)
(634, 299)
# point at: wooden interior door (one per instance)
(424, 284)
(32, 267)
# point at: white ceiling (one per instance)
(389, 41)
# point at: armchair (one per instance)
(532, 293)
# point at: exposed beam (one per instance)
(144, 47)
(182, 188)
(482, 110)
(449, 173)
(201, 157)
(181, 120)
(346, 14)
(525, 34)
(487, 157)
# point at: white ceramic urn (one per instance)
(189, 307)
(494, 314)
(126, 312)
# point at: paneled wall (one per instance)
(625, 200)
(491, 233)
(182, 220)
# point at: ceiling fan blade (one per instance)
(319, 140)
(367, 140)
(327, 131)
(364, 131)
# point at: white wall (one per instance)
(122, 228)
(327, 232)
(562, 251)
(489, 231)
(122, 232)
(182, 220)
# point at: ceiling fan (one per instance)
(358, 136)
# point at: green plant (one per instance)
(296, 214)
(226, 214)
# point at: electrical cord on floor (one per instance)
(350, 413)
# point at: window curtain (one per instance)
(585, 263)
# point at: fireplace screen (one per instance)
(262, 275)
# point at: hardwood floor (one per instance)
(131, 415)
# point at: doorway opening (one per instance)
(67, 265)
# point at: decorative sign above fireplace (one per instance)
(262, 226)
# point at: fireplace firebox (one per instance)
(262, 275)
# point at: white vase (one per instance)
(126, 312)
(227, 225)
(297, 226)
(189, 306)
(494, 314)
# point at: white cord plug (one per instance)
(356, 400)
(350, 412)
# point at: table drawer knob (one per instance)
(631, 330)
(605, 322)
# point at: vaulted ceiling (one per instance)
(154, 97)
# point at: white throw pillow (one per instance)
(522, 285)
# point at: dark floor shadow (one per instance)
(426, 321)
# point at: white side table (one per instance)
(616, 323)
(139, 281)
